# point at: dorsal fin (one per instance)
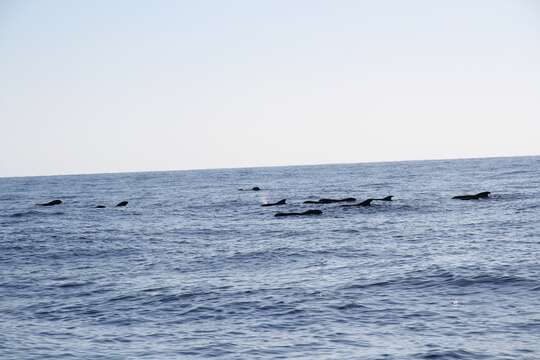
(366, 202)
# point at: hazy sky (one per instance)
(103, 86)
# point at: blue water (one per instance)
(193, 268)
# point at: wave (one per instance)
(529, 207)
(449, 280)
(32, 213)
(450, 355)
(285, 255)
(349, 306)
(69, 285)
(168, 298)
(515, 172)
(9, 197)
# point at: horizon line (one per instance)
(268, 166)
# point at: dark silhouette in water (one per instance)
(51, 203)
(280, 202)
(100, 206)
(482, 195)
(255, 188)
(329, 201)
(363, 203)
(387, 198)
(307, 212)
(121, 203)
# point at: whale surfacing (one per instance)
(280, 202)
(51, 203)
(307, 212)
(363, 203)
(329, 201)
(121, 203)
(481, 195)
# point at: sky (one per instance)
(124, 85)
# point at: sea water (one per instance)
(193, 268)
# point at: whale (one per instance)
(307, 212)
(51, 203)
(387, 198)
(481, 195)
(255, 188)
(121, 203)
(329, 201)
(363, 203)
(100, 206)
(280, 202)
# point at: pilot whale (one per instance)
(51, 203)
(280, 202)
(307, 212)
(329, 201)
(255, 188)
(481, 195)
(121, 203)
(363, 203)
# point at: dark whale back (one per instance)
(280, 202)
(329, 201)
(363, 203)
(121, 203)
(51, 203)
(366, 202)
(387, 198)
(480, 195)
(255, 188)
(311, 212)
(465, 197)
(307, 212)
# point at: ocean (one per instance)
(193, 268)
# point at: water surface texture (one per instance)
(193, 268)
